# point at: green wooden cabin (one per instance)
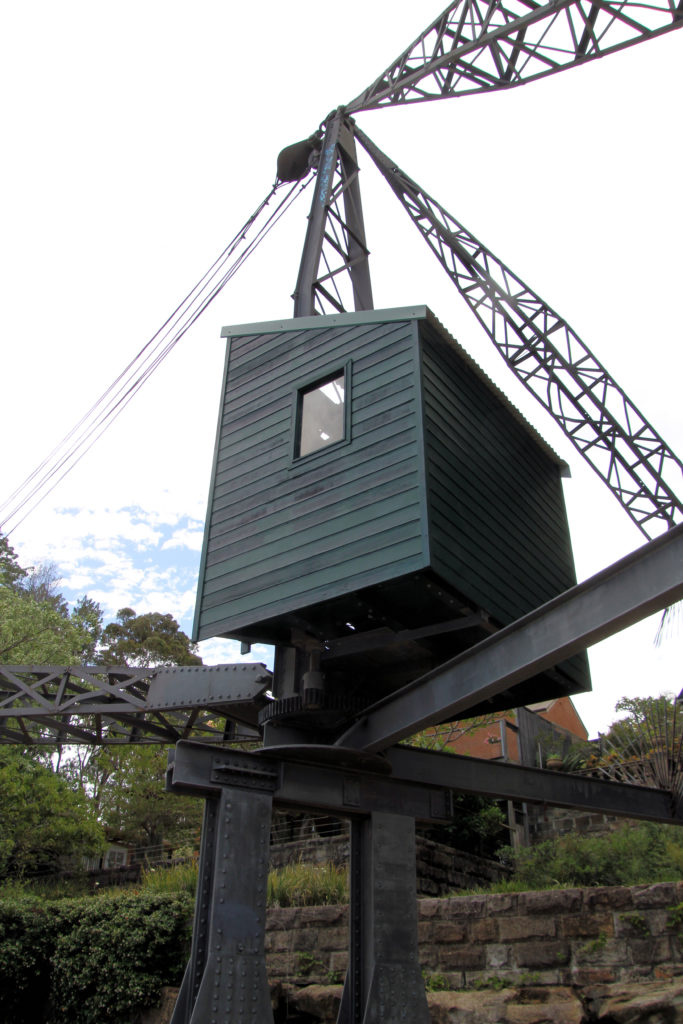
(376, 496)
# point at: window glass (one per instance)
(321, 421)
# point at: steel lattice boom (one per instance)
(550, 359)
(48, 704)
(478, 46)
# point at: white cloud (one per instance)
(218, 651)
(190, 537)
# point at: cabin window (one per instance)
(321, 419)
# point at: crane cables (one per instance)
(80, 439)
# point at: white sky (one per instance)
(138, 137)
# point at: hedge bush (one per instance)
(90, 960)
(630, 855)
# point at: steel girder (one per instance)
(419, 783)
(638, 585)
(552, 362)
(484, 45)
(226, 975)
(503, 780)
(48, 704)
(334, 253)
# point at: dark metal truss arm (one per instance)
(552, 362)
(484, 45)
(115, 705)
(638, 585)
(334, 253)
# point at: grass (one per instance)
(295, 885)
(307, 885)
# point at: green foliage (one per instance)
(147, 640)
(87, 618)
(92, 959)
(41, 582)
(628, 856)
(41, 818)
(307, 885)
(127, 786)
(435, 982)
(306, 962)
(674, 920)
(134, 943)
(479, 826)
(295, 885)
(178, 878)
(36, 627)
(494, 982)
(445, 737)
(34, 633)
(26, 944)
(636, 922)
(11, 573)
(596, 945)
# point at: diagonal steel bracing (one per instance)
(552, 362)
(479, 46)
(50, 704)
(334, 274)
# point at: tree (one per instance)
(147, 640)
(87, 618)
(41, 818)
(127, 787)
(34, 633)
(36, 627)
(42, 583)
(11, 573)
(645, 747)
(126, 783)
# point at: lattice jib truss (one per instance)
(549, 358)
(475, 46)
(50, 704)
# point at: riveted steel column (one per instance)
(226, 981)
(384, 983)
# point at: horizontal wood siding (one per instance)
(497, 520)
(282, 534)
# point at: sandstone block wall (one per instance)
(580, 937)
(440, 868)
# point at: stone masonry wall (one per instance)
(550, 822)
(440, 869)
(579, 937)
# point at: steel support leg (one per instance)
(226, 978)
(384, 983)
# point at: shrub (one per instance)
(628, 856)
(91, 959)
(26, 944)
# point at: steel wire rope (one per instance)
(105, 419)
(131, 386)
(228, 249)
(186, 304)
